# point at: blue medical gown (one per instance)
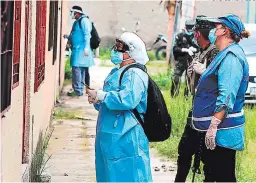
(80, 37)
(121, 147)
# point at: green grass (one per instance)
(151, 55)
(61, 113)
(179, 107)
(68, 69)
(105, 53)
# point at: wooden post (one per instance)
(171, 13)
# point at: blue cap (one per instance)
(233, 22)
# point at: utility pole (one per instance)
(250, 12)
(171, 7)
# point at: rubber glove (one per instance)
(190, 70)
(211, 133)
(199, 68)
(95, 96)
(86, 52)
(193, 49)
(188, 51)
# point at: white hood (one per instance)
(137, 48)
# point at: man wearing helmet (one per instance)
(183, 51)
(192, 141)
(122, 151)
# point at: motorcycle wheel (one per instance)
(161, 53)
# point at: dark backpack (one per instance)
(157, 121)
(95, 39)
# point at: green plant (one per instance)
(163, 80)
(40, 158)
(151, 55)
(68, 69)
(105, 53)
(61, 113)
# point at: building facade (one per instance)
(32, 75)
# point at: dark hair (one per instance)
(77, 8)
(235, 37)
(205, 33)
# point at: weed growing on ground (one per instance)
(61, 113)
(40, 158)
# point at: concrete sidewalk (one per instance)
(72, 142)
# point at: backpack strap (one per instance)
(139, 66)
(80, 20)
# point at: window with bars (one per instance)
(53, 28)
(7, 11)
(16, 44)
(41, 7)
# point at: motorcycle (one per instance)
(160, 52)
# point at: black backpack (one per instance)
(95, 39)
(157, 121)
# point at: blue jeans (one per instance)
(78, 79)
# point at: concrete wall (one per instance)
(110, 16)
(41, 102)
(219, 8)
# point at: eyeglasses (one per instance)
(120, 46)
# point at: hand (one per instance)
(65, 36)
(199, 68)
(86, 52)
(184, 50)
(190, 70)
(188, 51)
(193, 49)
(191, 53)
(92, 96)
(211, 134)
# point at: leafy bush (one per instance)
(105, 53)
(68, 69)
(163, 80)
(151, 56)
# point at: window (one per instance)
(53, 28)
(16, 44)
(41, 7)
(51, 19)
(7, 8)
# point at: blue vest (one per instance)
(207, 92)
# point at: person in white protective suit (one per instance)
(122, 148)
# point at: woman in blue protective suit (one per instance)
(122, 151)
(219, 99)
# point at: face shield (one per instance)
(120, 46)
(189, 29)
(72, 14)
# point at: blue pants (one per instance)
(78, 79)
